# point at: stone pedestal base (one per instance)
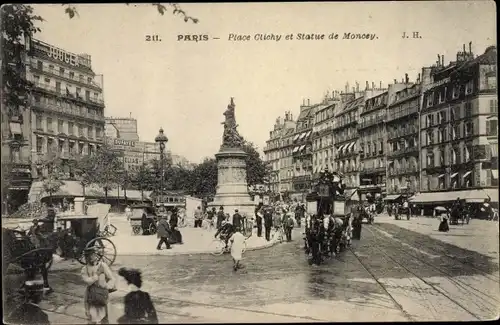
(232, 189)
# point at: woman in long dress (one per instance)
(98, 273)
(237, 241)
(443, 225)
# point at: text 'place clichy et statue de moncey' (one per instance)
(232, 188)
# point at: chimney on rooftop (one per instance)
(303, 102)
(439, 60)
(470, 47)
(308, 102)
(442, 60)
(380, 84)
(418, 78)
(347, 87)
(357, 86)
(373, 85)
(353, 89)
(367, 86)
(407, 80)
(395, 81)
(464, 49)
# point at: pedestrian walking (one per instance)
(210, 218)
(357, 223)
(220, 217)
(28, 312)
(237, 241)
(100, 282)
(288, 224)
(237, 220)
(198, 217)
(174, 228)
(258, 219)
(128, 212)
(139, 308)
(163, 232)
(268, 222)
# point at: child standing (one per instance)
(237, 244)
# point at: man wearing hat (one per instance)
(29, 312)
(237, 220)
(220, 217)
(163, 231)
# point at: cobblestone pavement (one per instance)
(392, 274)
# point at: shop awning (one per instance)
(295, 149)
(341, 147)
(468, 195)
(302, 136)
(350, 145)
(392, 197)
(308, 134)
(466, 174)
(440, 176)
(494, 173)
(453, 175)
(302, 147)
(494, 149)
(296, 137)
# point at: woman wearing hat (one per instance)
(100, 282)
(139, 308)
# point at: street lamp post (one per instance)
(162, 140)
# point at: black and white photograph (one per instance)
(249, 162)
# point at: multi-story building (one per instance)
(322, 135)
(402, 139)
(372, 139)
(67, 105)
(459, 128)
(286, 161)
(302, 151)
(122, 127)
(347, 159)
(274, 151)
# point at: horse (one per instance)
(314, 239)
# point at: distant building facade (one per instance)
(302, 151)
(122, 127)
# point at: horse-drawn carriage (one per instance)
(328, 227)
(66, 235)
(143, 220)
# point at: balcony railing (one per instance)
(66, 75)
(372, 121)
(403, 113)
(64, 110)
(62, 92)
(402, 171)
(339, 138)
(372, 170)
(403, 151)
(403, 132)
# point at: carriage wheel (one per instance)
(136, 230)
(152, 229)
(106, 250)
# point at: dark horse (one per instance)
(31, 255)
(315, 239)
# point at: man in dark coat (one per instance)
(237, 220)
(268, 222)
(220, 217)
(258, 219)
(357, 222)
(163, 232)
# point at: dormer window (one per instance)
(456, 92)
(469, 87)
(430, 99)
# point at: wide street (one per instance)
(392, 274)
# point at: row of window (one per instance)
(66, 127)
(62, 146)
(60, 71)
(65, 88)
(455, 132)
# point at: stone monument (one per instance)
(232, 188)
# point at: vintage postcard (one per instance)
(249, 162)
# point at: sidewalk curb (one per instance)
(199, 252)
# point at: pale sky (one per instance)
(185, 87)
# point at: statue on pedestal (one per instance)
(231, 138)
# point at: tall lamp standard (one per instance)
(162, 140)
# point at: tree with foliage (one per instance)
(81, 167)
(141, 179)
(204, 178)
(53, 180)
(257, 169)
(105, 165)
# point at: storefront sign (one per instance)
(62, 55)
(125, 143)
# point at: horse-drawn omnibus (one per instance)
(328, 227)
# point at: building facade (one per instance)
(276, 150)
(67, 105)
(286, 161)
(302, 151)
(322, 135)
(459, 127)
(347, 160)
(403, 167)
